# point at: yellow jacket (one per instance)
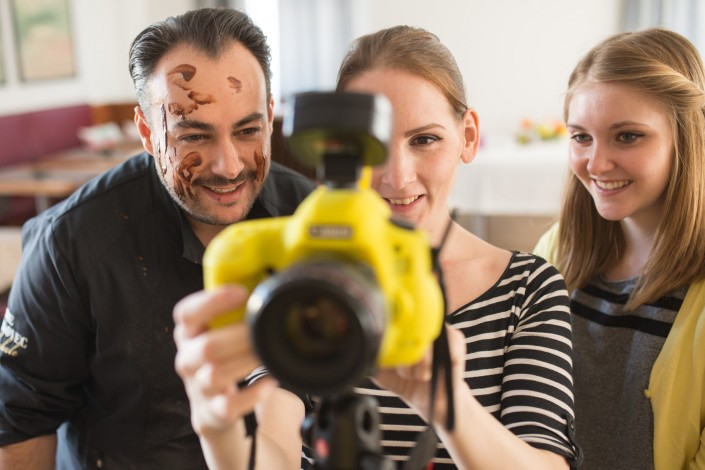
(677, 382)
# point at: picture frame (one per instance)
(43, 39)
(3, 79)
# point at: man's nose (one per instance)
(228, 160)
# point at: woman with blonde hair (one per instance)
(507, 315)
(630, 243)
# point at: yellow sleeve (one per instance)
(547, 244)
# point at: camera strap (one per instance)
(250, 420)
(426, 443)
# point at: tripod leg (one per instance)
(344, 434)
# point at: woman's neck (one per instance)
(637, 248)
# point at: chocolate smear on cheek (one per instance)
(185, 171)
(235, 83)
(261, 160)
(161, 158)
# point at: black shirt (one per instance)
(87, 338)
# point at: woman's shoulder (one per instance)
(530, 267)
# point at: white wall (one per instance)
(103, 31)
(515, 55)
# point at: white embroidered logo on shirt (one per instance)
(11, 340)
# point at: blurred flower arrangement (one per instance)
(535, 131)
(101, 137)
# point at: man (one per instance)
(87, 338)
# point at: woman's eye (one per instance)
(628, 137)
(424, 140)
(580, 138)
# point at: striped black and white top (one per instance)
(518, 364)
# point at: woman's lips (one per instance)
(403, 204)
(613, 185)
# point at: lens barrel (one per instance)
(318, 325)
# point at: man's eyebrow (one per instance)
(204, 126)
(193, 124)
(256, 116)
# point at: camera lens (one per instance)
(317, 326)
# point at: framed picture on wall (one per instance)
(2, 57)
(43, 39)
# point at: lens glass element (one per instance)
(318, 326)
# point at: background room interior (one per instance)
(515, 56)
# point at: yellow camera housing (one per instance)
(348, 225)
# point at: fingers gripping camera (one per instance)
(339, 286)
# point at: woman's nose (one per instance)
(399, 170)
(599, 160)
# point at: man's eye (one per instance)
(192, 138)
(251, 131)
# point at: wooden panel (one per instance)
(113, 112)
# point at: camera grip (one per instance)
(244, 253)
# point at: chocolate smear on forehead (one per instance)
(183, 110)
(186, 71)
(236, 84)
(261, 160)
(200, 98)
(185, 171)
(180, 76)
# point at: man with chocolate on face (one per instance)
(86, 345)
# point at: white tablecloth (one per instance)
(513, 179)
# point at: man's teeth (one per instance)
(222, 190)
(403, 202)
(611, 185)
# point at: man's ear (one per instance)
(144, 130)
(471, 131)
(270, 115)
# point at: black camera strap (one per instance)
(250, 430)
(426, 443)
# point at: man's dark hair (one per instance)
(210, 30)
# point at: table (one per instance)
(513, 179)
(58, 175)
(509, 179)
